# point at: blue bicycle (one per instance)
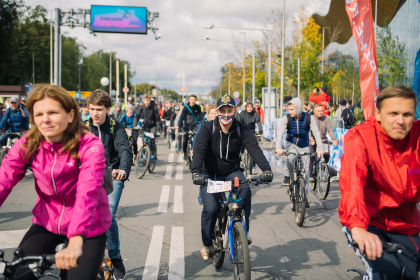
(230, 232)
(144, 161)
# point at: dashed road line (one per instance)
(178, 204)
(168, 174)
(171, 157)
(179, 172)
(176, 255)
(181, 157)
(151, 268)
(164, 198)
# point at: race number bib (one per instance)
(128, 131)
(168, 123)
(218, 186)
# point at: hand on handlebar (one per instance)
(67, 258)
(267, 176)
(369, 244)
(198, 179)
(335, 142)
(280, 151)
(319, 154)
(312, 142)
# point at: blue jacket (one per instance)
(17, 121)
(299, 135)
(128, 120)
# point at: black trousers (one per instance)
(185, 138)
(390, 266)
(38, 241)
(211, 205)
(134, 137)
(312, 149)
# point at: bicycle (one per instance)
(248, 162)
(390, 248)
(106, 270)
(230, 231)
(321, 176)
(191, 134)
(144, 162)
(129, 132)
(297, 190)
(10, 142)
(37, 264)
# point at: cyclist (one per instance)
(324, 125)
(323, 98)
(379, 183)
(128, 121)
(166, 116)
(129, 102)
(250, 118)
(298, 125)
(151, 120)
(116, 113)
(115, 141)
(85, 112)
(178, 131)
(218, 146)
(61, 151)
(173, 120)
(19, 119)
(192, 116)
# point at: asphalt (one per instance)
(165, 245)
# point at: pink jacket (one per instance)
(70, 201)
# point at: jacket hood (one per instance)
(298, 106)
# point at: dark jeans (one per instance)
(113, 236)
(4, 137)
(173, 134)
(38, 241)
(134, 136)
(185, 136)
(389, 266)
(152, 141)
(312, 149)
(211, 205)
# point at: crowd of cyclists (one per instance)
(81, 156)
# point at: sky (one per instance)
(181, 26)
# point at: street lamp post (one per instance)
(244, 64)
(282, 62)
(253, 78)
(323, 42)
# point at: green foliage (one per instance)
(392, 59)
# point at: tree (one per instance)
(392, 59)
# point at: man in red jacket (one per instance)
(323, 98)
(259, 110)
(379, 183)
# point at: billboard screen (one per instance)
(118, 19)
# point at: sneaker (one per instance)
(286, 181)
(307, 204)
(311, 180)
(185, 157)
(199, 200)
(119, 269)
(254, 171)
(205, 252)
(249, 240)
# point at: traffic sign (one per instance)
(237, 101)
(184, 89)
(236, 94)
(125, 90)
(78, 94)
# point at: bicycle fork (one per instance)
(228, 238)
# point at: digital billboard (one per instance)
(118, 19)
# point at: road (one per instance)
(159, 223)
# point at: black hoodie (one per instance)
(250, 119)
(220, 152)
(115, 143)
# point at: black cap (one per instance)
(225, 100)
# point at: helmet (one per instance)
(130, 99)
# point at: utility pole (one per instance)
(183, 83)
(221, 84)
(117, 80)
(125, 83)
(243, 93)
(253, 78)
(282, 61)
(229, 81)
(298, 78)
(60, 55)
(56, 44)
(51, 50)
(323, 43)
(110, 72)
(269, 80)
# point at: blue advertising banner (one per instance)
(416, 85)
(118, 19)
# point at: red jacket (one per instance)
(321, 99)
(260, 112)
(380, 179)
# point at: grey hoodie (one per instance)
(283, 125)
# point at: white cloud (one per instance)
(181, 25)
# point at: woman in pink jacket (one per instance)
(72, 206)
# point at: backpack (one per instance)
(308, 122)
(351, 119)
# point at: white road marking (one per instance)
(151, 268)
(168, 174)
(164, 198)
(172, 149)
(181, 157)
(171, 157)
(11, 238)
(176, 255)
(179, 172)
(178, 204)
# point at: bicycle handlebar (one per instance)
(49, 260)
(255, 180)
(392, 248)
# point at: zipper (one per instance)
(55, 189)
(399, 177)
(297, 126)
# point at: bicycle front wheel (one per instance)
(301, 201)
(152, 165)
(312, 184)
(242, 265)
(143, 161)
(323, 181)
(218, 254)
(292, 192)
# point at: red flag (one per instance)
(361, 21)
